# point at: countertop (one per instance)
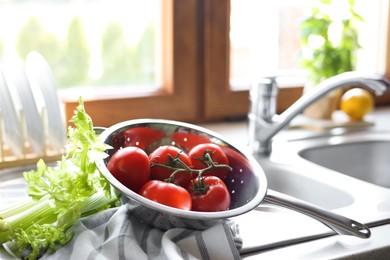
(270, 232)
(274, 233)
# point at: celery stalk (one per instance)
(17, 208)
(60, 195)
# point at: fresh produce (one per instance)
(356, 103)
(204, 155)
(60, 195)
(209, 193)
(178, 179)
(188, 172)
(241, 173)
(187, 141)
(170, 163)
(167, 193)
(141, 137)
(237, 161)
(130, 166)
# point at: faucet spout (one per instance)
(266, 129)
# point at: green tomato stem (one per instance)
(185, 168)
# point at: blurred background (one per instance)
(173, 59)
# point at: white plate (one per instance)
(41, 78)
(15, 77)
(12, 130)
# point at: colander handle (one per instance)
(340, 224)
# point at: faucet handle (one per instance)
(265, 86)
(262, 109)
(263, 97)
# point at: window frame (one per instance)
(180, 92)
(219, 100)
(195, 81)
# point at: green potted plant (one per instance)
(329, 39)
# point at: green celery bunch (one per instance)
(59, 195)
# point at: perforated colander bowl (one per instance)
(246, 182)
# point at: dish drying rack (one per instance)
(28, 156)
(31, 121)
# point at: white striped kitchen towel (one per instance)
(115, 234)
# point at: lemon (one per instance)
(356, 103)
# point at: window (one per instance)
(196, 63)
(85, 43)
(264, 40)
(230, 67)
(177, 94)
(270, 43)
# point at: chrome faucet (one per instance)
(264, 124)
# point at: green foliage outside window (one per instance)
(115, 55)
(33, 36)
(122, 63)
(330, 43)
(70, 59)
(143, 57)
(75, 60)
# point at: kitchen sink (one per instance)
(344, 172)
(366, 157)
(290, 180)
(306, 164)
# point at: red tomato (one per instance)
(209, 194)
(130, 166)
(168, 155)
(199, 160)
(187, 141)
(141, 137)
(237, 161)
(167, 193)
(242, 172)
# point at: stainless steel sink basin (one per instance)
(341, 191)
(366, 158)
(294, 182)
(346, 173)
